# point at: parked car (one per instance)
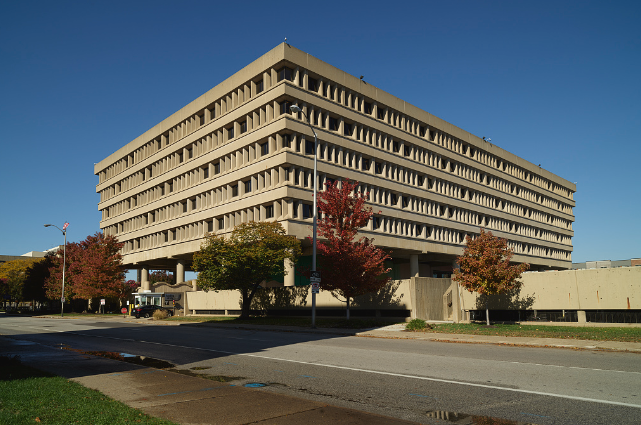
(148, 311)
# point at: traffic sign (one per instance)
(315, 288)
(315, 274)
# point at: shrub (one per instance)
(160, 315)
(417, 325)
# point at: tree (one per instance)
(125, 289)
(94, 269)
(15, 273)
(253, 253)
(161, 276)
(485, 267)
(350, 268)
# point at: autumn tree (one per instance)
(94, 269)
(15, 273)
(485, 267)
(158, 276)
(349, 267)
(253, 253)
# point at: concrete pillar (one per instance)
(180, 271)
(290, 277)
(144, 279)
(414, 265)
(580, 315)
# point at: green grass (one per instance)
(543, 331)
(28, 396)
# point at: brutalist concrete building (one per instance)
(238, 153)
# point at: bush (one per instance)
(417, 325)
(160, 315)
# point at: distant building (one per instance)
(238, 153)
(607, 264)
(29, 255)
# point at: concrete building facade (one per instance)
(238, 153)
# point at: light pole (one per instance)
(296, 108)
(64, 265)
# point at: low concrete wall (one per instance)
(591, 289)
(395, 296)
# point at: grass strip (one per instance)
(631, 334)
(29, 396)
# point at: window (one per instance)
(264, 148)
(378, 168)
(189, 153)
(406, 201)
(421, 132)
(347, 129)
(376, 223)
(309, 147)
(325, 89)
(259, 86)
(221, 223)
(394, 199)
(396, 146)
(365, 164)
(295, 209)
(217, 168)
(180, 158)
(287, 139)
(243, 127)
(269, 211)
(248, 186)
(205, 172)
(284, 107)
(406, 150)
(184, 205)
(193, 204)
(333, 124)
(381, 113)
(171, 187)
(312, 84)
(285, 73)
(307, 211)
(367, 108)
(329, 182)
(286, 169)
(230, 133)
(234, 190)
(420, 180)
(296, 178)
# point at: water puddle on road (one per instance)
(465, 419)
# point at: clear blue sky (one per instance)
(557, 83)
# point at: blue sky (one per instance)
(556, 83)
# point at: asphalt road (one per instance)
(407, 379)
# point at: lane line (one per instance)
(377, 372)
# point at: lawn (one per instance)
(28, 396)
(542, 331)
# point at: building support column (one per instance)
(290, 277)
(580, 316)
(144, 279)
(414, 265)
(180, 271)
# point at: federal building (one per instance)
(238, 153)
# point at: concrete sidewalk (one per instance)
(180, 398)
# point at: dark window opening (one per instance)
(381, 113)
(325, 89)
(394, 199)
(406, 150)
(420, 180)
(376, 224)
(421, 131)
(367, 108)
(259, 86)
(307, 211)
(221, 223)
(206, 173)
(333, 124)
(171, 187)
(286, 140)
(365, 164)
(234, 190)
(396, 147)
(406, 201)
(189, 153)
(269, 211)
(285, 73)
(264, 148)
(309, 147)
(193, 204)
(248, 186)
(230, 133)
(180, 158)
(184, 206)
(217, 168)
(312, 84)
(243, 127)
(295, 209)
(378, 168)
(347, 129)
(284, 107)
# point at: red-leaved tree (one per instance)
(350, 267)
(485, 267)
(94, 269)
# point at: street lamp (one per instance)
(296, 108)
(64, 264)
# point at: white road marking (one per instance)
(377, 372)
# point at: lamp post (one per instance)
(64, 265)
(296, 108)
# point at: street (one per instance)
(405, 379)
